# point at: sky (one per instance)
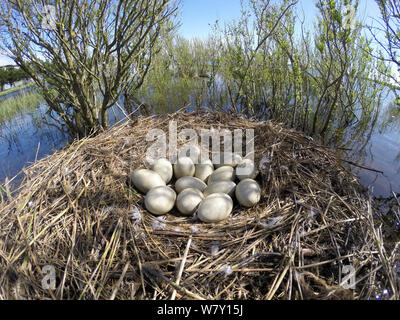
(5, 61)
(197, 16)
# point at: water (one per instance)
(382, 153)
(24, 139)
(379, 149)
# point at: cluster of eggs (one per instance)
(204, 188)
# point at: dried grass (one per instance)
(74, 211)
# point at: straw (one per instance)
(73, 211)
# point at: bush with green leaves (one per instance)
(267, 65)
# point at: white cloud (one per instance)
(5, 61)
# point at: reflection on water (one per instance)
(26, 138)
(381, 153)
(22, 140)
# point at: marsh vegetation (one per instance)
(18, 105)
(267, 65)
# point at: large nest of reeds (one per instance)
(76, 214)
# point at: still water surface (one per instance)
(382, 152)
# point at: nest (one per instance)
(76, 214)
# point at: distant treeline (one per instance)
(10, 75)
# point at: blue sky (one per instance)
(197, 16)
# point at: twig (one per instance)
(362, 167)
(158, 274)
(37, 151)
(178, 278)
(119, 281)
